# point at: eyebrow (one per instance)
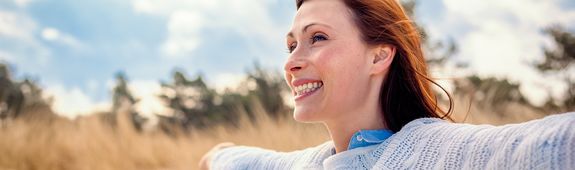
(305, 28)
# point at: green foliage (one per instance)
(192, 102)
(21, 98)
(560, 62)
(487, 92)
(11, 96)
(269, 89)
(196, 105)
(491, 92)
(122, 103)
(563, 56)
(121, 94)
(437, 53)
(18, 96)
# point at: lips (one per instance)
(304, 87)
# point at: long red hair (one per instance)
(406, 93)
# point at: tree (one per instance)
(194, 104)
(32, 93)
(268, 91)
(22, 99)
(560, 62)
(491, 93)
(437, 53)
(488, 92)
(11, 96)
(122, 97)
(123, 102)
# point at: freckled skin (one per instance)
(341, 62)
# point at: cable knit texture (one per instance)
(431, 143)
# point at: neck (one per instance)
(343, 129)
(366, 116)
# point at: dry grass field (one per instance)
(89, 143)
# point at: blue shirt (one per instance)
(364, 138)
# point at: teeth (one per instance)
(308, 87)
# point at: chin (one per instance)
(305, 116)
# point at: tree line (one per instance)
(193, 104)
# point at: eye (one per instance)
(291, 47)
(318, 37)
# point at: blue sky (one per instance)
(74, 48)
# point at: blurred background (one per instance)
(154, 84)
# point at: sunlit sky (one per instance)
(75, 47)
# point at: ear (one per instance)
(382, 58)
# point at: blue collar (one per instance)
(364, 138)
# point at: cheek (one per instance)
(341, 56)
(341, 63)
(344, 69)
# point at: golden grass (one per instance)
(89, 143)
(464, 112)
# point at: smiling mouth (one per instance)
(307, 88)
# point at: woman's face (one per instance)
(327, 68)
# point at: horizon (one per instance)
(75, 48)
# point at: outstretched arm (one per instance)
(205, 162)
(228, 156)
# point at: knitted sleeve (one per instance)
(547, 143)
(244, 157)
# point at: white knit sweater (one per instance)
(431, 143)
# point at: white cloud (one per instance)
(16, 26)
(502, 37)
(187, 19)
(184, 32)
(22, 3)
(50, 34)
(72, 102)
(5, 56)
(526, 12)
(166, 7)
(26, 50)
(54, 35)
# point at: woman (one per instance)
(357, 67)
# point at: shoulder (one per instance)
(461, 145)
(557, 127)
(420, 132)
(433, 124)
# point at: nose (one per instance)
(294, 64)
